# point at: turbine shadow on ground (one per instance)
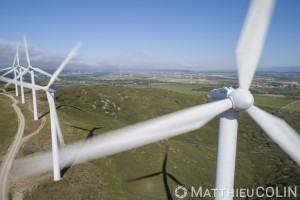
(165, 176)
(58, 107)
(28, 92)
(58, 99)
(88, 137)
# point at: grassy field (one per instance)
(271, 101)
(290, 92)
(8, 124)
(187, 89)
(202, 90)
(295, 105)
(259, 99)
(91, 110)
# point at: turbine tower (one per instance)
(55, 127)
(35, 111)
(20, 76)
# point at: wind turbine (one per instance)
(30, 69)
(17, 69)
(228, 105)
(14, 69)
(55, 127)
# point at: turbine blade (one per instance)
(5, 69)
(22, 67)
(286, 137)
(59, 133)
(17, 77)
(27, 85)
(84, 129)
(124, 139)
(41, 71)
(143, 177)
(64, 63)
(16, 69)
(17, 53)
(252, 40)
(7, 73)
(175, 180)
(14, 60)
(26, 51)
(57, 125)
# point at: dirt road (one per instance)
(12, 152)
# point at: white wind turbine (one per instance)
(55, 127)
(234, 101)
(14, 69)
(30, 69)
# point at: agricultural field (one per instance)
(294, 105)
(95, 105)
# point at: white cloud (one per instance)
(47, 61)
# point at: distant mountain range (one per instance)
(134, 69)
(113, 69)
(280, 69)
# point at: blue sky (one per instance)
(188, 33)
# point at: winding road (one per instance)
(13, 150)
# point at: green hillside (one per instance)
(85, 111)
(8, 124)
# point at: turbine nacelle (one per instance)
(52, 89)
(220, 93)
(241, 99)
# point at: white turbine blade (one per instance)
(41, 71)
(64, 63)
(286, 137)
(252, 40)
(17, 77)
(27, 85)
(16, 70)
(14, 60)
(26, 51)
(124, 139)
(23, 68)
(7, 72)
(5, 69)
(18, 60)
(59, 134)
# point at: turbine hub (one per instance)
(241, 99)
(53, 89)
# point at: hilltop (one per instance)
(85, 111)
